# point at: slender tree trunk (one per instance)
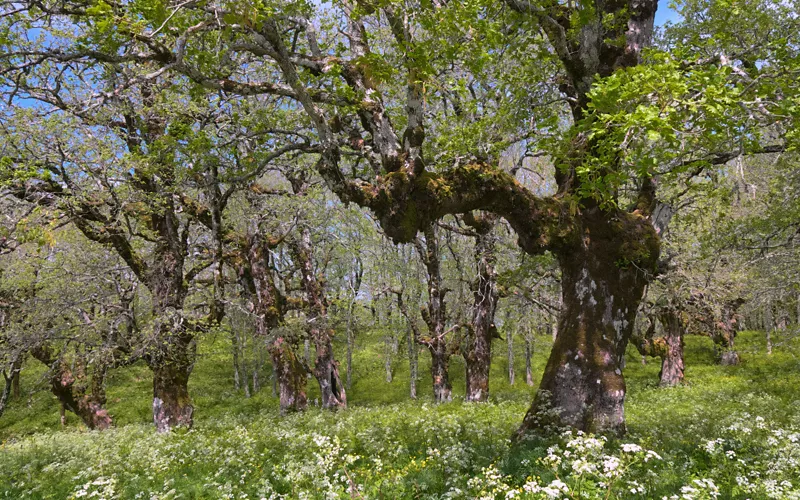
(768, 326)
(307, 354)
(350, 348)
(235, 350)
(510, 342)
(245, 384)
(15, 392)
(274, 379)
(388, 352)
(12, 374)
(479, 341)
(258, 365)
(528, 367)
(413, 369)
(583, 381)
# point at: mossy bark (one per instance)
(291, 376)
(326, 368)
(440, 375)
(725, 332)
(172, 406)
(269, 308)
(71, 385)
(603, 280)
(172, 353)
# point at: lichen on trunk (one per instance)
(172, 406)
(603, 280)
(291, 376)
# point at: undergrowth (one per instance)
(730, 432)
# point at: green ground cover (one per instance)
(730, 432)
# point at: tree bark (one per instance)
(440, 360)
(172, 406)
(171, 360)
(528, 367)
(290, 373)
(435, 315)
(412, 364)
(601, 291)
(15, 391)
(725, 333)
(73, 389)
(388, 353)
(768, 326)
(13, 374)
(672, 364)
(478, 354)
(269, 308)
(510, 345)
(350, 347)
(326, 369)
(235, 351)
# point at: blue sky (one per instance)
(664, 13)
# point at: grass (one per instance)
(731, 426)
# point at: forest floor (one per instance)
(729, 432)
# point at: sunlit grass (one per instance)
(387, 446)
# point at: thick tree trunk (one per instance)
(172, 406)
(172, 353)
(269, 306)
(601, 291)
(478, 360)
(290, 373)
(672, 365)
(171, 360)
(440, 359)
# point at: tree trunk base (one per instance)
(172, 406)
(729, 358)
(326, 371)
(291, 377)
